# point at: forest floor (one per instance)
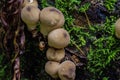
(93, 48)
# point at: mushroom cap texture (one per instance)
(50, 18)
(67, 70)
(117, 28)
(51, 68)
(55, 54)
(58, 38)
(27, 2)
(30, 16)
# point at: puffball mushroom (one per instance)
(30, 16)
(50, 18)
(30, 2)
(117, 28)
(55, 54)
(66, 70)
(41, 45)
(58, 38)
(51, 68)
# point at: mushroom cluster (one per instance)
(51, 21)
(64, 70)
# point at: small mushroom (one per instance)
(58, 38)
(30, 2)
(55, 54)
(66, 70)
(41, 45)
(50, 18)
(51, 68)
(30, 16)
(117, 28)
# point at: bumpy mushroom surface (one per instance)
(30, 2)
(67, 70)
(117, 28)
(58, 38)
(55, 54)
(30, 16)
(51, 68)
(50, 18)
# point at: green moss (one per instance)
(103, 49)
(110, 4)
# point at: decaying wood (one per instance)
(14, 38)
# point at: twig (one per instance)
(16, 69)
(77, 47)
(87, 19)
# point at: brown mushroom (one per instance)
(66, 70)
(55, 54)
(41, 45)
(117, 28)
(50, 18)
(51, 68)
(30, 2)
(30, 16)
(58, 38)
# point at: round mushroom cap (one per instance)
(41, 45)
(30, 2)
(67, 70)
(55, 54)
(50, 18)
(51, 68)
(30, 16)
(58, 38)
(117, 28)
